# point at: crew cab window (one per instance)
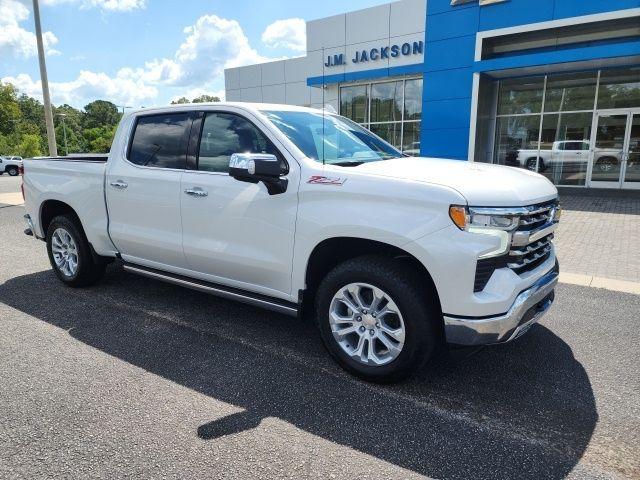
(161, 141)
(224, 134)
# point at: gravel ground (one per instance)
(136, 378)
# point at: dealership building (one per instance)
(549, 85)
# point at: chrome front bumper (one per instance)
(526, 310)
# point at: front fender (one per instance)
(389, 211)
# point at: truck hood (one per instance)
(481, 184)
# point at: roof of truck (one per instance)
(243, 105)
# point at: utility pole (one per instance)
(123, 107)
(48, 116)
(64, 132)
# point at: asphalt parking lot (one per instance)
(136, 378)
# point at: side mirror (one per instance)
(258, 167)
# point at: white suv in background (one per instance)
(10, 165)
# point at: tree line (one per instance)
(23, 130)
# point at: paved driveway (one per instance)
(135, 378)
(600, 236)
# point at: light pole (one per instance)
(123, 107)
(64, 132)
(48, 117)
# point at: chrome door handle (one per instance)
(119, 184)
(196, 192)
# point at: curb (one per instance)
(600, 282)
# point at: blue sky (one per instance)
(147, 52)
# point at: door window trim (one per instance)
(132, 132)
(203, 117)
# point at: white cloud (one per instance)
(87, 87)
(290, 33)
(107, 5)
(15, 41)
(210, 45)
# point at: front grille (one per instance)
(522, 258)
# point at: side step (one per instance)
(255, 299)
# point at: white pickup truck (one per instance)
(289, 208)
(570, 155)
(10, 165)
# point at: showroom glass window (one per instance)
(545, 123)
(540, 120)
(161, 141)
(392, 110)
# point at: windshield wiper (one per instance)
(348, 164)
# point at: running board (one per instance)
(254, 299)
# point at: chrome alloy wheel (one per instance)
(65, 252)
(367, 324)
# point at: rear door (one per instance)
(143, 191)
(235, 233)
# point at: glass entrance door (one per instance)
(615, 159)
(631, 178)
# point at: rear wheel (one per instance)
(13, 171)
(377, 318)
(535, 165)
(70, 253)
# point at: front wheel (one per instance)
(13, 171)
(377, 318)
(606, 164)
(70, 253)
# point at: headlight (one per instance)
(483, 218)
(496, 222)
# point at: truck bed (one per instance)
(77, 181)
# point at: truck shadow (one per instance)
(524, 410)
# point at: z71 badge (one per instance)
(321, 180)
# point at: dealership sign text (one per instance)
(376, 54)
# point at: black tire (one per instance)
(90, 268)
(531, 165)
(13, 171)
(415, 299)
(606, 164)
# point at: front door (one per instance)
(615, 156)
(235, 233)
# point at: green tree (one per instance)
(29, 146)
(10, 113)
(180, 101)
(205, 99)
(99, 139)
(5, 147)
(100, 113)
(32, 112)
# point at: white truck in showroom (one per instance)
(289, 208)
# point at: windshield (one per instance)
(331, 139)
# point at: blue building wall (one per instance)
(449, 59)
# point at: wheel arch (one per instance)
(51, 209)
(330, 252)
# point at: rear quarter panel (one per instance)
(79, 184)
